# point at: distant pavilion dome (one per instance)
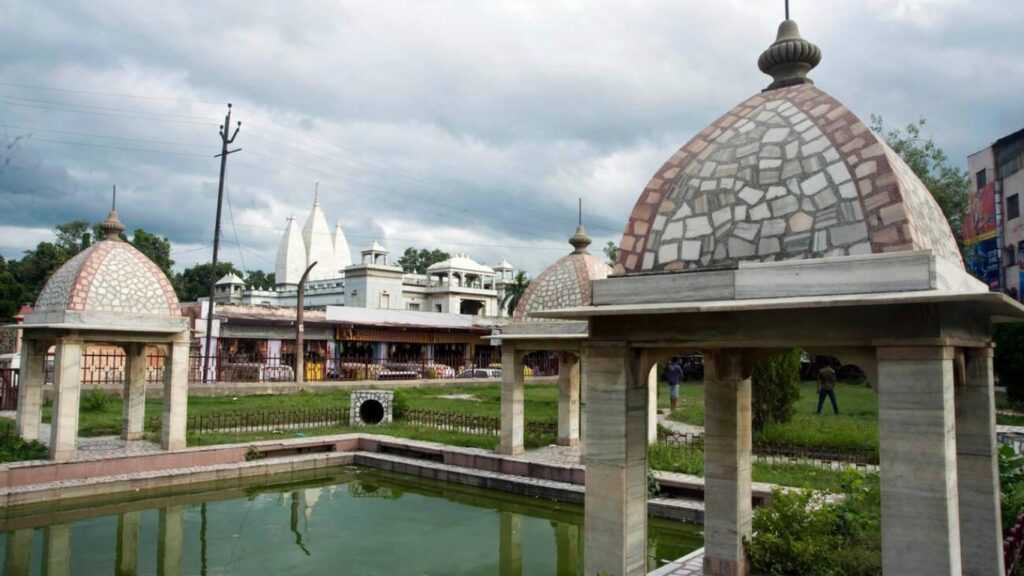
(566, 283)
(504, 265)
(229, 279)
(788, 174)
(109, 276)
(460, 263)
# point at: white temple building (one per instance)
(458, 285)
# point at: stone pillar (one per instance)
(30, 388)
(568, 399)
(18, 554)
(133, 407)
(127, 544)
(510, 545)
(169, 540)
(616, 482)
(727, 458)
(67, 385)
(920, 516)
(567, 549)
(57, 550)
(175, 396)
(652, 405)
(512, 397)
(977, 464)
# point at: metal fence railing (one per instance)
(8, 388)
(778, 453)
(1013, 547)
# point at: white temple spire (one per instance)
(291, 256)
(342, 255)
(319, 247)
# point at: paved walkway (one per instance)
(690, 565)
(97, 446)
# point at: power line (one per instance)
(104, 108)
(231, 216)
(87, 135)
(109, 94)
(107, 114)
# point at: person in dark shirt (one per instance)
(827, 388)
(674, 375)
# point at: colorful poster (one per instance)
(980, 221)
(983, 262)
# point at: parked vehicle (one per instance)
(480, 373)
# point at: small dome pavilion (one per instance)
(566, 283)
(788, 223)
(110, 294)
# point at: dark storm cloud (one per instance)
(466, 125)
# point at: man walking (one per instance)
(827, 388)
(674, 375)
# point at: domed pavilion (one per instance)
(110, 294)
(564, 284)
(788, 223)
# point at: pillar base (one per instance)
(510, 450)
(717, 567)
(571, 442)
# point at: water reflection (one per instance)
(346, 521)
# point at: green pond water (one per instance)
(339, 521)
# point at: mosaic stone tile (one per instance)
(566, 283)
(803, 159)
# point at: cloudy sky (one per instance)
(467, 125)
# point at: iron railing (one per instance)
(1013, 548)
(784, 453)
(8, 388)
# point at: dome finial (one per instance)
(112, 226)
(580, 240)
(790, 57)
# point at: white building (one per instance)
(458, 285)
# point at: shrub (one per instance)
(775, 388)
(802, 533)
(399, 405)
(1009, 360)
(95, 400)
(794, 536)
(14, 449)
(1011, 485)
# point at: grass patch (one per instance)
(856, 426)
(104, 419)
(687, 460)
(1008, 419)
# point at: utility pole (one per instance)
(224, 141)
(300, 358)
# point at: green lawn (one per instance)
(855, 427)
(541, 405)
(691, 461)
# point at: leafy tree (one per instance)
(949, 184)
(611, 252)
(194, 283)
(12, 294)
(417, 261)
(775, 387)
(74, 236)
(155, 248)
(36, 266)
(514, 291)
(260, 280)
(1009, 360)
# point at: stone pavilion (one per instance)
(563, 284)
(107, 295)
(787, 222)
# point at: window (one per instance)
(385, 300)
(1012, 207)
(414, 305)
(437, 307)
(980, 178)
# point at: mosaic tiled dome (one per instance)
(564, 284)
(109, 276)
(790, 173)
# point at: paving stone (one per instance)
(740, 248)
(785, 205)
(767, 246)
(691, 250)
(760, 212)
(800, 222)
(848, 233)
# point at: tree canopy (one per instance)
(418, 261)
(514, 291)
(194, 283)
(156, 248)
(611, 252)
(260, 280)
(949, 184)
